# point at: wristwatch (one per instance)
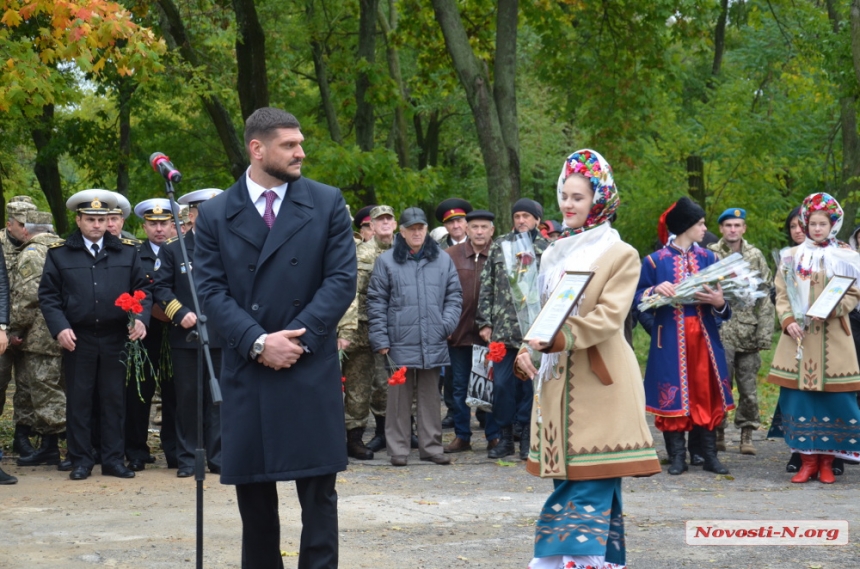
(4, 327)
(259, 345)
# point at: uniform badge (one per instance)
(96, 204)
(157, 210)
(157, 264)
(182, 268)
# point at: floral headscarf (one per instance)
(827, 204)
(593, 166)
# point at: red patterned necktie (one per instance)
(269, 213)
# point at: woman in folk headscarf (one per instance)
(820, 416)
(588, 442)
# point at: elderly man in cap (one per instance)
(117, 216)
(452, 214)
(749, 331)
(157, 217)
(366, 384)
(497, 321)
(40, 398)
(173, 295)
(194, 199)
(82, 279)
(413, 305)
(469, 259)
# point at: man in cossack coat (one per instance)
(276, 269)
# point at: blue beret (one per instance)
(732, 213)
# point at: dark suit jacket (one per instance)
(286, 424)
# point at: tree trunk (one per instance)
(174, 32)
(47, 168)
(401, 143)
(367, 52)
(125, 89)
(696, 179)
(848, 117)
(325, 93)
(504, 86)
(475, 80)
(720, 39)
(252, 83)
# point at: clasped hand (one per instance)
(282, 349)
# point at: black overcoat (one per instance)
(285, 424)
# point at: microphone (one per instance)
(162, 164)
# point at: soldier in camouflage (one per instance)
(40, 399)
(749, 331)
(497, 322)
(366, 386)
(11, 239)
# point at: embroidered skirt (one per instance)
(582, 517)
(821, 422)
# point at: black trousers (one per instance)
(95, 365)
(185, 386)
(261, 527)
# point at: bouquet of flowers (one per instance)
(136, 356)
(399, 376)
(522, 270)
(785, 267)
(741, 285)
(496, 353)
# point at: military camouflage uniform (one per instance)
(749, 331)
(366, 386)
(512, 398)
(40, 399)
(17, 209)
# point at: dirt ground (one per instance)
(475, 514)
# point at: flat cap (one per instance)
(412, 216)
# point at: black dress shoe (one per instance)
(118, 470)
(136, 465)
(214, 469)
(65, 465)
(448, 422)
(150, 459)
(80, 473)
(185, 472)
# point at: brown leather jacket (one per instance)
(469, 266)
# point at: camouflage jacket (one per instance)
(353, 325)
(25, 316)
(750, 329)
(11, 247)
(495, 304)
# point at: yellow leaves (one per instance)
(11, 18)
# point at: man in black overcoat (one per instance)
(276, 269)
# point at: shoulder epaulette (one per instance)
(132, 242)
(171, 240)
(57, 244)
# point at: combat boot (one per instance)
(506, 444)
(721, 439)
(525, 441)
(48, 453)
(21, 441)
(355, 447)
(709, 448)
(377, 443)
(746, 441)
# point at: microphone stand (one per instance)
(203, 353)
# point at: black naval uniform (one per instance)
(137, 411)
(173, 294)
(78, 291)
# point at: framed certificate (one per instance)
(558, 306)
(830, 297)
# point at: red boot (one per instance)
(808, 468)
(825, 472)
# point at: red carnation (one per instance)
(497, 352)
(342, 381)
(398, 377)
(139, 295)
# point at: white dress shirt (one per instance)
(255, 190)
(89, 245)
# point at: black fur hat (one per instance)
(684, 215)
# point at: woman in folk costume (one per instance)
(587, 442)
(686, 381)
(820, 416)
